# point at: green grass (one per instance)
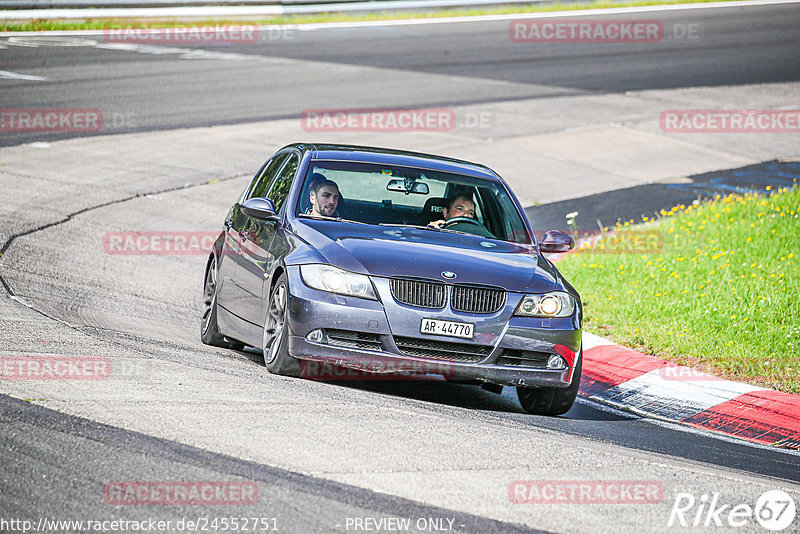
(103, 24)
(720, 296)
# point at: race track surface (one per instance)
(194, 123)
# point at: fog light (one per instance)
(556, 362)
(316, 336)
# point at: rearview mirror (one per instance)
(556, 241)
(407, 186)
(260, 208)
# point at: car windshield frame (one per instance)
(497, 209)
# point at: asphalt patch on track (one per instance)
(605, 209)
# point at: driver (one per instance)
(462, 206)
(458, 206)
(324, 196)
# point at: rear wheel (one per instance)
(552, 401)
(209, 332)
(276, 332)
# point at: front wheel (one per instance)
(209, 331)
(552, 401)
(275, 345)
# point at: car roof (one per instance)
(389, 156)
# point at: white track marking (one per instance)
(674, 399)
(39, 41)
(183, 53)
(14, 76)
(592, 340)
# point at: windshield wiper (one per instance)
(404, 225)
(323, 218)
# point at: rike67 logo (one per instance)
(774, 510)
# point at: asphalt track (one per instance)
(320, 452)
(411, 66)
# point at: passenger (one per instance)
(324, 196)
(316, 177)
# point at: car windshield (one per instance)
(396, 195)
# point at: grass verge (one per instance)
(712, 285)
(112, 23)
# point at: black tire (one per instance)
(209, 332)
(275, 343)
(551, 401)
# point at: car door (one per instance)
(230, 295)
(256, 258)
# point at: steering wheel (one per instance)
(456, 220)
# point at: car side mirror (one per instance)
(260, 208)
(556, 241)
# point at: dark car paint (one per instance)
(254, 252)
(397, 251)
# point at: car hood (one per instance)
(411, 252)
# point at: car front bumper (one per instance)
(311, 309)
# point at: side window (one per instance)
(253, 181)
(261, 184)
(280, 187)
(513, 227)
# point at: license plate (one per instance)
(447, 328)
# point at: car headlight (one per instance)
(555, 304)
(334, 280)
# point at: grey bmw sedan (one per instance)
(398, 264)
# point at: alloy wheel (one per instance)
(273, 327)
(209, 294)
